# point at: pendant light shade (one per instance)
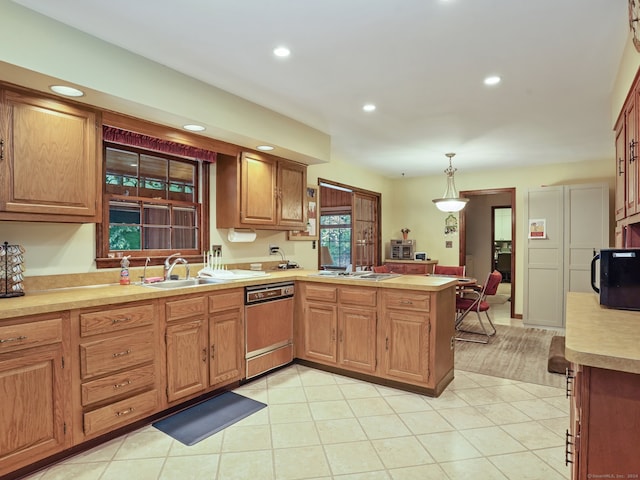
(450, 202)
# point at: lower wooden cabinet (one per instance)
(410, 267)
(604, 423)
(33, 382)
(204, 341)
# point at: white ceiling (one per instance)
(422, 62)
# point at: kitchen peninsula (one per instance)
(106, 354)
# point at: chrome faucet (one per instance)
(168, 266)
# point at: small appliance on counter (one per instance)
(420, 256)
(619, 278)
(11, 268)
(402, 249)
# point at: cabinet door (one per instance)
(32, 420)
(631, 146)
(50, 165)
(320, 330)
(225, 339)
(258, 190)
(187, 357)
(621, 169)
(406, 346)
(292, 185)
(357, 338)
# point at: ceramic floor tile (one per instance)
(354, 457)
(289, 413)
(195, 467)
(316, 377)
(363, 407)
(294, 435)
(479, 468)
(465, 417)
(261, 417)
(379, 475)
(479, 396)
(340, 430)
(543, 391)
(492, 441)
(301, 462)
(389, 391)
(533, 435)
(383, 426)
(322, 393)
(242, 439)
(488, 381)
(245, 465)
(331, 410)
(421, 472)
(539, 409)
(511, 393)
(561, 403)
(359, 390)
(558, 425)
(448, 446)
(461, 381)
(555, 457)
(502, 413)
(78, 471)
(401, 452)
(425, 422)
(286, 395)
(102, 453)
(408, 402)
(144, 444)
(145, 469)
(284, 381)
(525, 466)
(447, 399)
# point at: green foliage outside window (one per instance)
(335, 234)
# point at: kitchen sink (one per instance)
(187, 282)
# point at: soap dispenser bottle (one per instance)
(124, 271)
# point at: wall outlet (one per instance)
(216, 249)
(273, 249)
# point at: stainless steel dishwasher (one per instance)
(268, 327)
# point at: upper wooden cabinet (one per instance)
(49, 168)
(256, 191)
(621, 169)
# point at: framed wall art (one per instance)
(313, 212)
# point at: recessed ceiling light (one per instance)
(66, 91)
(281, 52)
(369, 107)
(492, 80)
(265, 148)
(193, 128)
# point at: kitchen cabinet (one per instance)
(340, 325)
(204, 341)
(417, 267)
(49, 160)
(604, 422)
(33, 382)
(259, 191)
(502, 224)
(117, 368)
(621, 171)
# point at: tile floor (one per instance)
(323, 426)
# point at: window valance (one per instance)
(125, 137)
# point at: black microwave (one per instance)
(619, 278)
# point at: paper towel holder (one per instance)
(247, 235)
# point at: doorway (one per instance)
(478, 236)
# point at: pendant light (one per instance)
(450, 202)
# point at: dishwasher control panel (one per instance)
(263, 293)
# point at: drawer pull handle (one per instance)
(406, 302)
(13, 339)
(386, 344)
(120, 320)
(213, 351)
(124, 412)
(120, 385)
(204, 355)
(121, 354)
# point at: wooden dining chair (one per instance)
(476, 301)
(381, 269)
(449, 270)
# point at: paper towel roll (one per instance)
(241, 236)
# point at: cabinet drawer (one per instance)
(115, 319)
(32, 334)
(321, 292)
(120, 413)
(113, 354)
(226, 301)
(118, 384)
(190, 307)
(415, 269)
(406, 301)
(358, 296)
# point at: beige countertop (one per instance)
(601, 337)
(66, 298)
